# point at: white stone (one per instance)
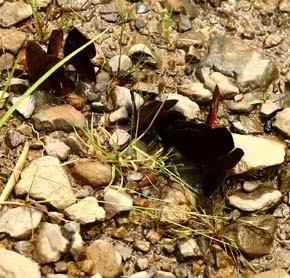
(26, 107)
(86, 211)
(19, 222)
(260, 152)
(120, 137)
(15, 265)
(189, 248)
(195, 91)
(119, 199)
(248, 204)
(123, 98)
(50, 244)
(250, 186)
(45, 179)
(184, 105)
(226, 88)
(120, 64)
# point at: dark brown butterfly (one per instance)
(39, 62)
(211, 149)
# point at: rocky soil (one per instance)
(81, 197)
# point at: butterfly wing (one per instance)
(55, 42)
(81, 61)
(36, 60)
(215, 175)
(148, 112)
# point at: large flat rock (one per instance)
(260, 152)
(45, 179)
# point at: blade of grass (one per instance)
(44, 77)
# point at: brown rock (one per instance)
(142, 245)
(103, 258)
(92, 172)
(63, 117)
(254, 236)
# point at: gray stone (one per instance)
(19, 222)
(104, 259)
(50, 244)
(14, 138)
(15, 265)
(184, 24)
(120, 64)
(195, 91)
(109, 12)
(119, 115)
(44, 179)
(26, 107)
(184, 105)
(103, 78)
(259, 199)
(123, 98)
(63, 117)
(254, 236)
(14, 12)
(77, 246)
(120, 200)
(86, 211)
(71, 228)
(255, 157)
(142, 263)
(57, 149)
(282, 122)
(141, 8)
(12, 41)
(248, 125)
(235, 58)
(120, 137)
(244, 105)
(92, 172)
(226, 87)
(6, 61)
(274, 273)
(189, 248)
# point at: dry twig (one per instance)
(15, 174)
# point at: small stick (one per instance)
(15, 174)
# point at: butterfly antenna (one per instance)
(214, 107)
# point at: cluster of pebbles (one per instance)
(79, 212)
